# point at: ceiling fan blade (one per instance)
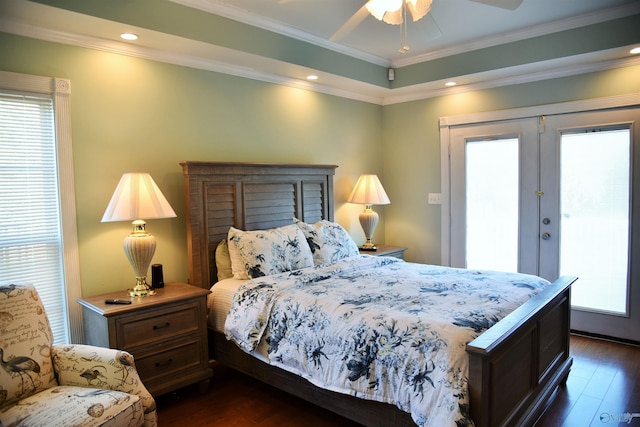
(504, 4)
(346, 28)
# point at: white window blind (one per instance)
(31, 248)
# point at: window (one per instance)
(38, 242)
(595, 171)
(492, 202)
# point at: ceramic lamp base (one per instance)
(368, 221)
(139, 247)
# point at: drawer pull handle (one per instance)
(167, 363)
(166, 325)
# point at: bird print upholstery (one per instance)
(25, 344)
(64, 385)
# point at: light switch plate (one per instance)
(435, 199)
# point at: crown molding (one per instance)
(526, 33)
(238, 64)
(528, 73)
(237, 14)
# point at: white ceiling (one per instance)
(452, 26)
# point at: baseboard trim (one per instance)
(606, 338)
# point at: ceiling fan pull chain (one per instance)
(403, 29)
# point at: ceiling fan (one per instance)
(395, 12)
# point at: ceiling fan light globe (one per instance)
(378, 8)
(393, 5)
(393, 18)
(418, 8)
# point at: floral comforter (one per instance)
(379, 328)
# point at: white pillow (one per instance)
(266, 252)
(329, 241)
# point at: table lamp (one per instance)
(138, 198)
(368, 191)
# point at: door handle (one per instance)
(546, 236)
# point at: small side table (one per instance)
(166, 333)
(387, 250)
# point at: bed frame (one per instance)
(515, 366)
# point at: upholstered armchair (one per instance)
(66, 385)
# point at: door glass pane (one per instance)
(594, 224)
(492, 204)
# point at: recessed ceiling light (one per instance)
(129, 36)
(450, 83)
(635, 50)
(312, 77)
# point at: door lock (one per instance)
(546, 236)
(546, 221)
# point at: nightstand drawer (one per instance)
(170, 361)
(155, 325)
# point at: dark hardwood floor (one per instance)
(604, 384)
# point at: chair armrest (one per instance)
(99, 367)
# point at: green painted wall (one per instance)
(131, 115)
(411, 147)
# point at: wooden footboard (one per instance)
(514, 368)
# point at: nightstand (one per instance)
(165, 332)
(386, 250)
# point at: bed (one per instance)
(513, 368)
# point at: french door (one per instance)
(554, 195)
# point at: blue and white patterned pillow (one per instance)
(266, 252)
(329, 241)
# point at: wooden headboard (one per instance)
(248, 196)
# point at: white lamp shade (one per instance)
(369, 191)
(137, 197)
